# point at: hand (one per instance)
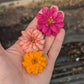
(11, 69)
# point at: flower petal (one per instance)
(39, 27)
(20, 43)
(54, 9)
(49, 13)
(38, 15)
(41, 41)
(49, 32)
(54, 15)
(59, 19)
(39, 46)
(60, 14)
(24, 33)
(57, 31)
(35, 33)
(39, 36)
(54, 33)
(44, 10)
(53, 27)
(29, 48)
(42, 21)
(44, 29)
(60, 25)
(45, 16)
(35, 47)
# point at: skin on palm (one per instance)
(11, 69)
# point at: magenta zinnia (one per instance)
(31, 39)
(50, 21)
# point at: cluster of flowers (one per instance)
(32, 40)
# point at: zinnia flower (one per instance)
(34, 62)
(50, 21)
(31, 39)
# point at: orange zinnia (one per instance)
(34, 62)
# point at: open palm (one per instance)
(11, 69)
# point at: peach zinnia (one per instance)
(34, 62)
(31, 39)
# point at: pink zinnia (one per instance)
(31, 39)
(50, 21)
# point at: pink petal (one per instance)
(59, 17)
(20, 43)
(24, 33)
(39, 27)
(60, 14)
(39, 35)
(44, 29)
(57, 31)
(41, 41)
(54, 9)
(49, 13)
(53, 27)
(38, 15)
(54, 15)
(39, 46)
(35, 47)
(24, 47)
(44, 10)
(24, 39)
(49, 32)
(35, 33)
(29, 48)
(28, 32)
(60, 25)
(42, 21)
(54, 33)
(45, 17)
(58, 20)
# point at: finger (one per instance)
(48, 44)
(55, 49)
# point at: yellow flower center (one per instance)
(50, 20)
(34, 61)
(32, 40)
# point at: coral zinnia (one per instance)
(50, 21)
(34, 62)
(31, 39)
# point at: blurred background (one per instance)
(15, 15)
